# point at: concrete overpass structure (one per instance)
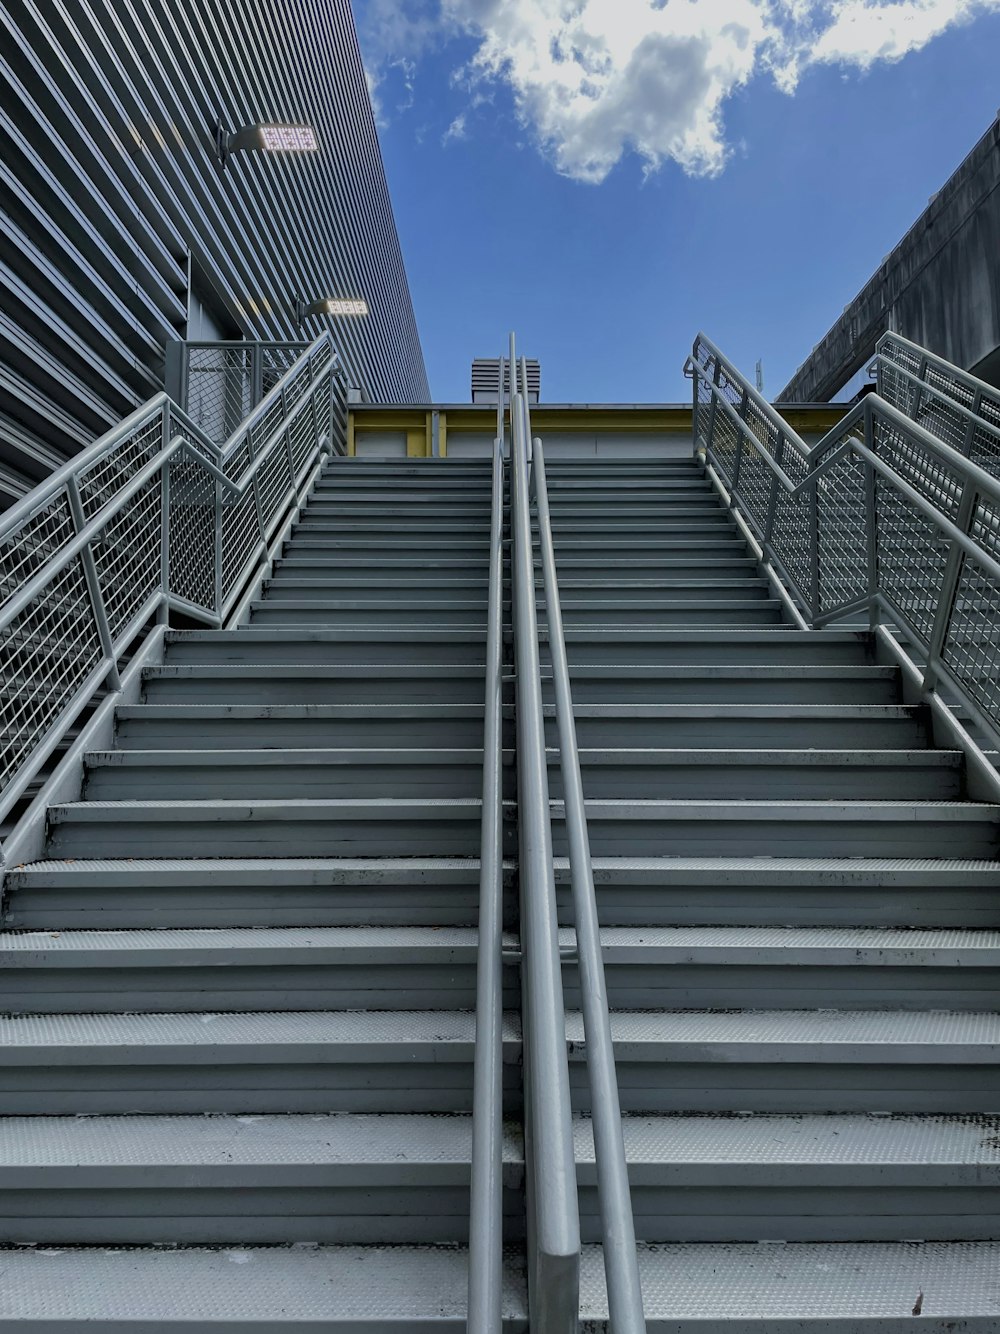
(939, 287)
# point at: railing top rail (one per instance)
(952, 372)
(248, 343)
(146, 412)
(870, 404)
(789, 434)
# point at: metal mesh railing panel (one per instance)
(127, 557)
(219, 388)
(971, 649)
(240, 536)
(912, 557)
(192, 532)
(47, 653)
(25, 550)
(102, 481)
(842, 536)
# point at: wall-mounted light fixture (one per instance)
(331, 305)
(264, 139)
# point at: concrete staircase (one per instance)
(236, 1082)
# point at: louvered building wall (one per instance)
(120, 231)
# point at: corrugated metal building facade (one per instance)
(119, 229)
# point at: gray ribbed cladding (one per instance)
(108, 179)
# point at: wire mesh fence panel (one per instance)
(841, 536)
(191, 521)
(971, 649)
(48, 652)
(219, 388)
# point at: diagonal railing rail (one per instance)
(485, 1313)
(553, 1215)
(881, 516)
(554, 1223)
(154, 517)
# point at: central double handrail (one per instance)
(553, 1208)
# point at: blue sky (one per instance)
(608, 229)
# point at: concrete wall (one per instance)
(939, 287)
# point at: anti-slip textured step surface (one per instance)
(809, 1289)
(388, 1290)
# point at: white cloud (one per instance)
(862, 32)
(594, 80)
(456, 130)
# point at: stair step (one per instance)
(724, 726)
(716, 610)
(256, 726)
(651, 891)
(802, 1178)
(789, 891)
(413, 611)
(354, 592)
(789, 828)
(251, 1062)
(772, 775)
(585, 592)
(203, 774)
(793, 968)
(326, 648)
(698, 647)
(369, 683)
(268, 1290)
(367, 827)
(206, 892)
(242, 1179)
(629, 683)
(795, 1061)
(235, 968)
(811, 1289)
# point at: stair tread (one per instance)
(369, 869)
(843, 1140)
(953, 1037)
(127, 1143)
(824, 944)
(267, 1288)
(828, 1287)
(591, 756)
(749, 872)
(207, 1037)
(239, 944)
(305, 807)
(763, 944)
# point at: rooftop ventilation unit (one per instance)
(486, 375)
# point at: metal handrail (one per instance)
(552, 1206)
(621, 1265)
(486, 1190)
(153, 517)
(852, 532)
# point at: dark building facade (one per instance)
(121, 230)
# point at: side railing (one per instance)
(952, 404)
(553, 1217)
(881, 516)
(154, 517)
(486, 1194)
(553, 1203)
(220, 383)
